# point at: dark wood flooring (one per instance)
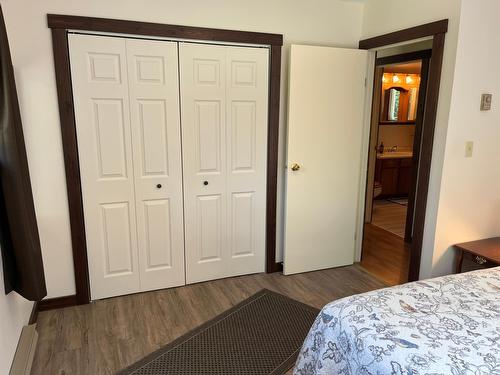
(385, 255)
(108, 335)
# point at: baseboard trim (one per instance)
(277, 267)
(56, 303)
(71, 300)
(34, 313)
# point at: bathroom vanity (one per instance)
(393, 171)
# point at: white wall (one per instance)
(383, 16)
(322, 22)
(469, 205)
(14, 314)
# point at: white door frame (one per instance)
(364, 155)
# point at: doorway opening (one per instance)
(399, 96)
(327, 145)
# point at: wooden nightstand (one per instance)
(476, 255)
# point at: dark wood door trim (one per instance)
(417, 142)
(60, 25)
(57, 303)
(404, 57)
(71, 163)
(272, 160)
(66, 22)
(428, 129)
(417, 32)
(34, 313)
(424, 56)
(51, 304)
(437, 31)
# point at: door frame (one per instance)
(424, 56)
(60, 25)
(436, 31)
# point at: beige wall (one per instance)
(397, 135)
(322, 22)
(383, 16)
(469, 204)
(464, 200)
(326, 22)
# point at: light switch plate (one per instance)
(486, 102)
(469, 147)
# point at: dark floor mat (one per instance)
(261, 335)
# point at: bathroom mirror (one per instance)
(399, 99)
(396, 105)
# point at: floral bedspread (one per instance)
(446, 325)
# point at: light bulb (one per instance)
(384, 79)
(395, 78)
(409, 80)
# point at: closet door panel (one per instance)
(224, 125)
(243, 242)
(117, 241)
(246, 113)
(155, 122)
(203, 92)
(210, 231)
(158, 235)
(208, 133)
(100, 90)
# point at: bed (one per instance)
(446, 325)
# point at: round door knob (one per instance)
(295, 167)
(205, 183)
(158, 186)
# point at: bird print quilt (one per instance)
(446, 325)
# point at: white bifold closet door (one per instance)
(224, 101)
(126, 96)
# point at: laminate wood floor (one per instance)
(385, 255)
(108, 335)
(389, 216)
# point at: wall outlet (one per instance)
(469, 147)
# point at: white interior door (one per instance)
(224, 96)
(325, 130)
(126, 95)
(156, 144)
(100, 93)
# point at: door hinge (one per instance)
(366, 82)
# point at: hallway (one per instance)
(385, 255)
(390, 216)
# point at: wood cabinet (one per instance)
(476, 255)
(404, 176)
(395, 175)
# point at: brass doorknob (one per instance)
(295, 167)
